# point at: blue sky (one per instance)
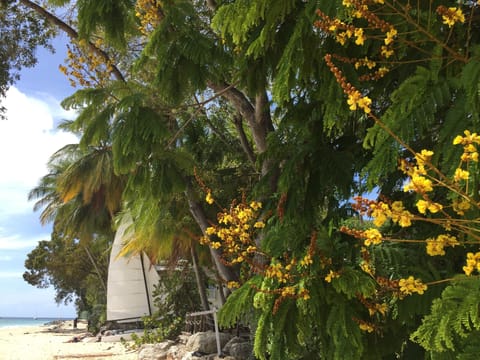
(27, 139)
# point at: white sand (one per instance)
(54, 343)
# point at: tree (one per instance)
(21, 33)
(322, 98)
(63, 264)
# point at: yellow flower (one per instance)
(452, 15)
(367, 267)
(233, 285)
(364, 326)
(364, 104)
(360, 37)
(353, 99)
(304, 294)
(410, 285)
(458, 140)
(331, 275)
(255, 205)
(435, 247)
(210, 230)
(460, 174)
(215, 245)
(419, 184)
(259, 225)
(307, 260)
(372, 236)
(390, 35)
(386, 51)
(397, 206)
(341, 38)
(422, 206)
(405, 219)
(209, 199)
(460, 205)
(435, 207)
(380, 213)
(423, 157)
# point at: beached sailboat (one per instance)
(131, 281)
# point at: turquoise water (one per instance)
(25, 321)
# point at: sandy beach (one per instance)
(52, 342)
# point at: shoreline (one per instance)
(58, 341)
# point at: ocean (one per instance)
(25, 321)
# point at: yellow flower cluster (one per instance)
(473, 263)
(418, 182)
(381, 212)
(372, 237)
(84, 67)
(469, 142)
(365, 62)
(411, 285)
(366, 326)
(451, 15)
(460, 174)
(233, 285)
(357, 101)
(149, 14)
(373, 307)
(424, 205)
(437, 246)
(235, 230)
(277, 271)
(460, 206)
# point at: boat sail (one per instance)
(131, 281)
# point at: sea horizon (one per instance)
(21, 321)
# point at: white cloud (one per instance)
(27, 140)
(16, 242)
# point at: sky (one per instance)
(27, 139)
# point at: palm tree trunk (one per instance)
(92, 260)
(202, 290)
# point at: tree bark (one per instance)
(227, 273)
(202, 291)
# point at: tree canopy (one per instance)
(247, 127)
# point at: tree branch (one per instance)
(72, 33)
(237, 120)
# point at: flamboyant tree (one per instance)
(278, 112)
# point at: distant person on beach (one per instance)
(75, 323)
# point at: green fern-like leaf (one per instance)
(239, 303)
(352, 282)
(453, 316)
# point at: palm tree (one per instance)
(80, 195)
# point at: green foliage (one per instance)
(353, 282)
(66, 266)
(174, 297)
(345, 335)
(307, 151)
(455, 315)
(112, 16)
(238, 306)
